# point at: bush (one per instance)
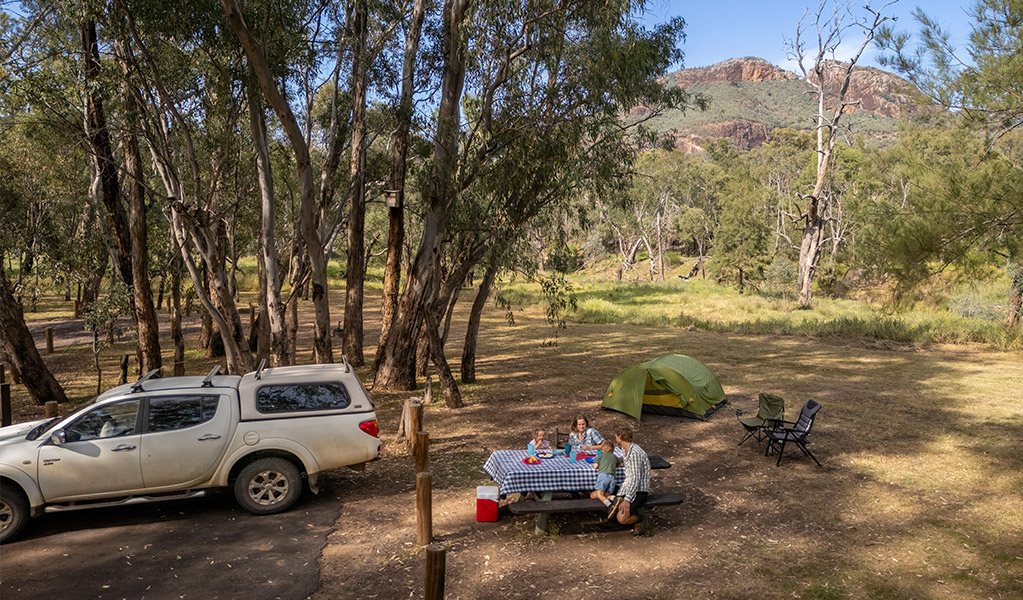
(780, 278)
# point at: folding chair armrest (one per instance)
(746, 410)
(774, 423)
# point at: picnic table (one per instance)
(556, 474)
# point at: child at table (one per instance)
(606, 463)
(540, 440)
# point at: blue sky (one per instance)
(717, 30)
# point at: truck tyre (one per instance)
(13, 513)
(268, 486)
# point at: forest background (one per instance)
(153, 154)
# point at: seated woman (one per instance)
(582, 436)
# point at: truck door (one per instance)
(184, 439)
(100, 455)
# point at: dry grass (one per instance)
(920, 496)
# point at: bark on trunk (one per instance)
(177, 336)
(399, 156)
(270, 289)
(19, 350)
(356, 268)
(1015, 316)
(448, 386)
(308, 225)
(102, 151)
(393, 371)
(468, 372)
(147, 328)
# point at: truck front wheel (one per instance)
(268, 485)
(13, 513)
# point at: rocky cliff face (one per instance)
(764, 96)
(732, 70)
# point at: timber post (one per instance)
(422, 451)
(424, 509)
(6, 418)
(428, 390)
(49, 340)
(435, 554)
(124, 369)
(416, 418)
(50, 408)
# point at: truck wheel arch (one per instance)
(24, 484)
(240, 462)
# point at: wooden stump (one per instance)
(50, 408)
(435, 554)
(411, 421)
(428, 390)
(49, 340)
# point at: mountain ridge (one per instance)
(750, 97)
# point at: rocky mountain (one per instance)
(750, 97)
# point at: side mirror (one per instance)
(58, 437)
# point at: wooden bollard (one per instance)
(424, 509)
(422, 451)
(428, 390)
(50, 408)
(6, 418)
(49, 340)
(435, 571)
(124, 369)
(416, 418)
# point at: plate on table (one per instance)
(545, 454)
(590, 459)
(531, 460)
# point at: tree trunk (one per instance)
(175, 319)
(19, 350)
(1015, 316)
(399, 156)
(355, 273)
(102, 151)
(660, 248)
(468, 373)
(308, 225)
(448, 387)
(270, 289)
(146, 326)
(393, 370)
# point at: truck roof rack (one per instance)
(137, 386)
(344, 361)
(208, 380)
(259, 369)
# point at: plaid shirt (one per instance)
(637, 473)
(591, 437)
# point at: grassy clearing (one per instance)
(704, 305)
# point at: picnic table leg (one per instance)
(541, 519)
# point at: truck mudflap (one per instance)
(312, 480)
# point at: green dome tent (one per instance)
(673, 385)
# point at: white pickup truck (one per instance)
(162, 439)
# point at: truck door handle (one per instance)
(122, 448)
(209, 436)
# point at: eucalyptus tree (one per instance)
(552, 77)
(983, 83)
(829, 83)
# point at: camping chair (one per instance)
(766, 416)
(559, 439)
(796, 434)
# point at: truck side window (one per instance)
(167, 413)
(302, 397)
(106, 421)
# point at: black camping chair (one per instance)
(796, 434)
(768, 415)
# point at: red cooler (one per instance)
(487, 497)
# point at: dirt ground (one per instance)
(919, 496)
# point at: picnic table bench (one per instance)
(568, 505)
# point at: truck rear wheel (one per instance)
(13, 513)
(268, 485)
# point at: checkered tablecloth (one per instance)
(558, 474)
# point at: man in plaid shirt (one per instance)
(634, 490)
